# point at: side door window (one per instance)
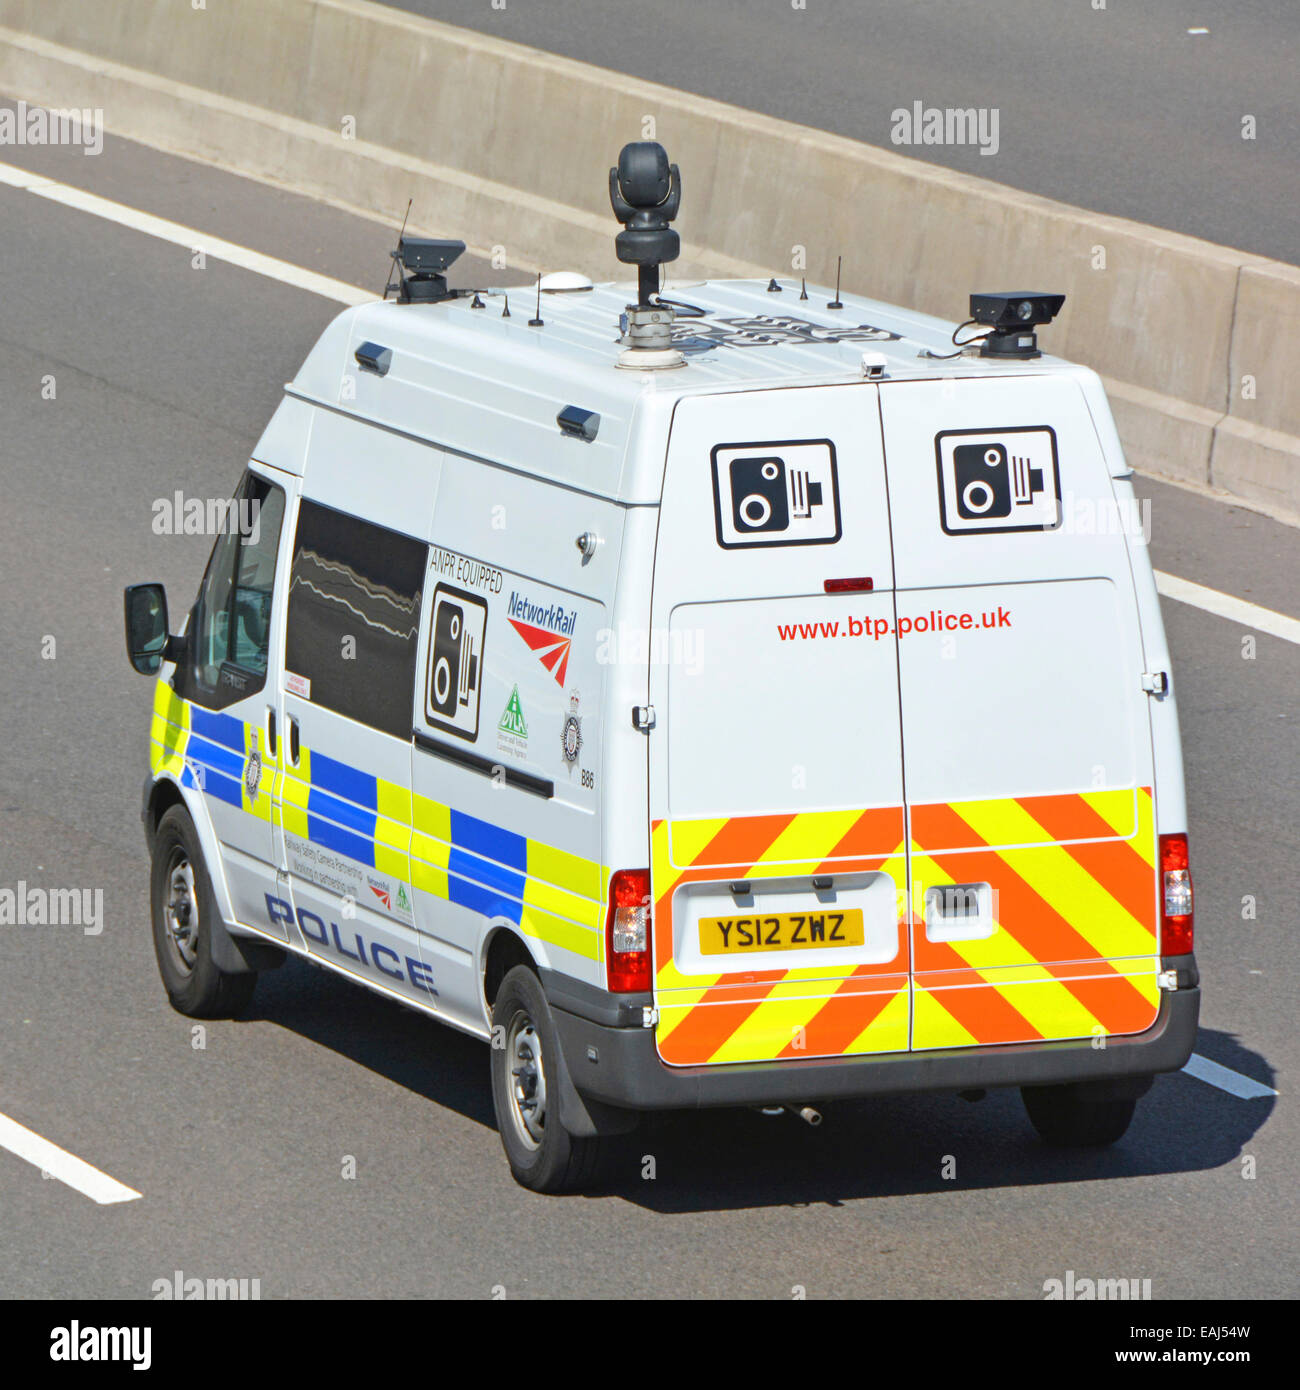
(353, 627)
(231, 621)
(230, 750)
(354, 617)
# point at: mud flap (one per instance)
(241, 955)
(583, 1117)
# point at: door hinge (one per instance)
(1167, 979)
(1155, 682)
(643, 717)
(649, 1015)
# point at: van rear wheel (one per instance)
(543, 1155)
(183, 910)
(1073, 1117)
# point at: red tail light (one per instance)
(627, 931)
(1176, 932)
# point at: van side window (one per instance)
(354, 617)
(230, 626)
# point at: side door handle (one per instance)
(270, 731)
(293, 740)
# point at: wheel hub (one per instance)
(182, 910)
(527, 1081)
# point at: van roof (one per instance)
(477, 382)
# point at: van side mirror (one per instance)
(147, 642)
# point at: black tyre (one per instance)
(542, 1154)
(183, 909)
(1071, 1117)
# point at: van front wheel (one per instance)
(1072, 1116)
(183, 910)
(543, 1155)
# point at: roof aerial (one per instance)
(714, 334)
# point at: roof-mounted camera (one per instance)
(420, 262)
(645, 191)
(1013, 317)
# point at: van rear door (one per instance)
(1026, 733)
(777, 856)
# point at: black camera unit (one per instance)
(645, 192)
(421, 261)
(1012, 319)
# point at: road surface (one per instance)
(164, 376)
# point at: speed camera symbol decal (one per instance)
(998, 480)
(776, 493)
(455, 676)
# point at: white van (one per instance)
(750, 706)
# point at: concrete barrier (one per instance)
(508, 147)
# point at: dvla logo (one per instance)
(512, 721)
(512, 728)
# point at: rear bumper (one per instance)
(621, 1066)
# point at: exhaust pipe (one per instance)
(803, 1112)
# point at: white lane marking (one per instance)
(1225, 606)
(188, 237)
(1182, 590)
(59, 1163)
(1226, 1079)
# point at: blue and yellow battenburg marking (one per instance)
(169, 732)
(351, 812)
(549, 893)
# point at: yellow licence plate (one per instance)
(781, 931)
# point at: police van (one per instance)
(738, 697)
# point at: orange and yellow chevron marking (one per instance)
(1075, 950)
(853, 1021)
(806, 837)
(1103, 815)
(1002, 1011)
(794, 1019)
(743, 1015)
